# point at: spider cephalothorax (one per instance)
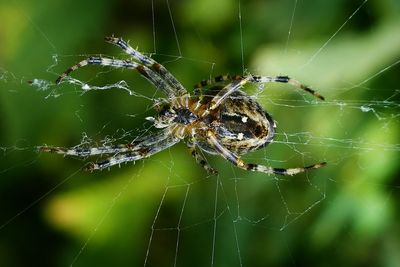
(222, 120)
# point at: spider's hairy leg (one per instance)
(71, 69)
(117, 63)
(279, 171)
(234, 159)
(216, 80)
(79, 151)
(144, 152)
(86, 151)
(150, 63)
(225, 92)
(201, 160)
(285, 79)
(198, 88)
(259, 79)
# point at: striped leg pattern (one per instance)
(86, 152)
(234, 159)
(201, 160)
(234, 81)
(117, 63)
(131, 156)
(150, 63)
(133, 151)
(286, 79)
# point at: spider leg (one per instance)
(201, 160)
(228, 90)
(117, 63)
(86, 152)
(225, 92)
(237, 81)
(83, 152)
(144, 152)
(234, 159)
(150, 63)
(285, 79)
(216, 80)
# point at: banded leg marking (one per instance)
(225, 92)
(117, 63)
(216, 80)
(86, 152)
(133, 151)
(234, 159)
(201, 160)
(83, 152)
(260, 79)
(150, 63)
(286, 79)
(132, 155)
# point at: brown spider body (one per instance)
(224, 120)
(240, 124)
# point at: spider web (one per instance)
(165, 210)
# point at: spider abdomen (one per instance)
(242, 125)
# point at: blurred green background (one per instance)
(165, 211)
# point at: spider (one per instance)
(225, 121)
